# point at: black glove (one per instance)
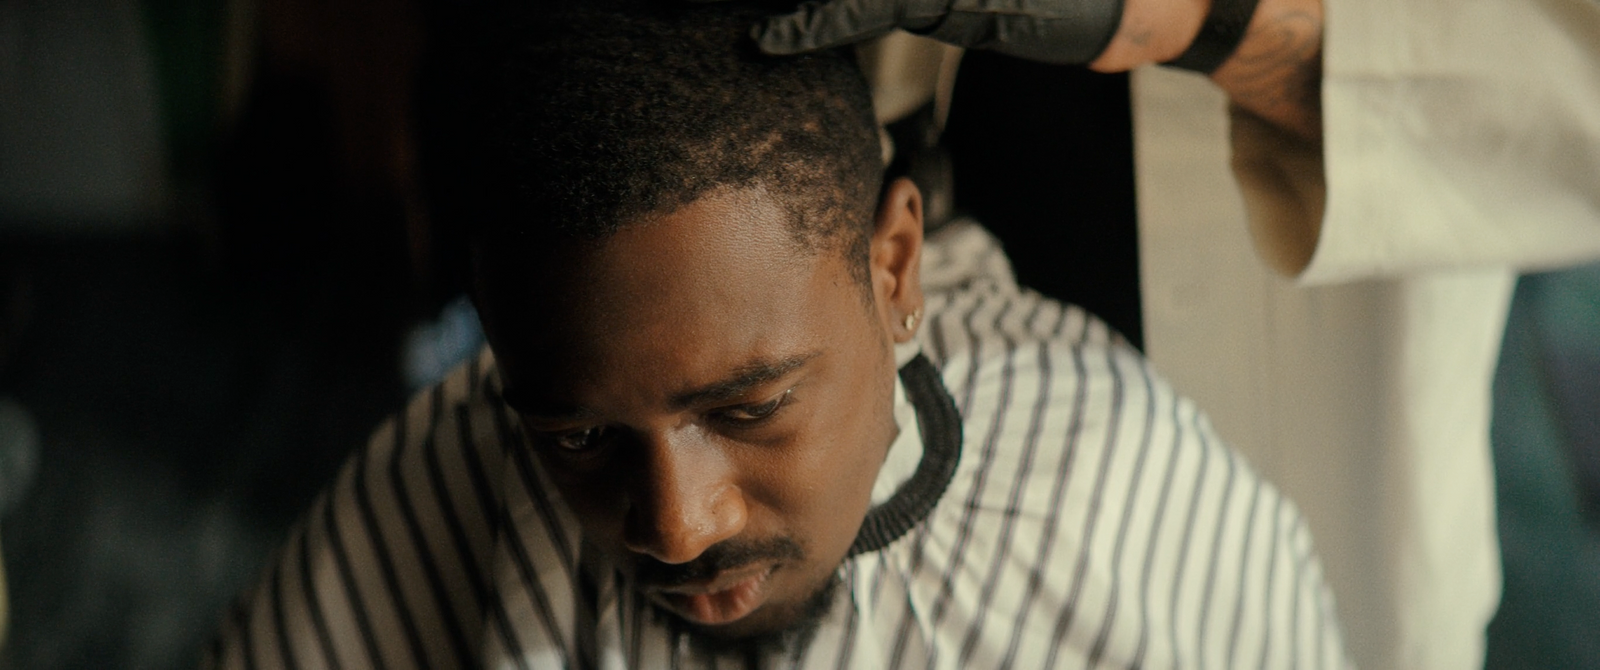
(1053, 31)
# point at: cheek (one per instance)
(824, 480)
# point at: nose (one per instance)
(684, 499)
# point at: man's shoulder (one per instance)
(979, 317)
(1078, 457)
(397, 547)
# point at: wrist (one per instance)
(1276, 73)
(1152, 31)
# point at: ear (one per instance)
(896, 258)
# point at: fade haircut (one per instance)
(571, 120)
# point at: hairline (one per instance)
(849, 242)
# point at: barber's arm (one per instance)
(1274, 72)
(1265, 54)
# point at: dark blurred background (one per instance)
(209, 267)
(217, 276)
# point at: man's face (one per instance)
(712, 401)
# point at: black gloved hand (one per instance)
(1053, 31)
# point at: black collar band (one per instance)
(941, 451)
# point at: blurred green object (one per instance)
(19, 455)
(5, 613)
(187, 40)
(1546, 434)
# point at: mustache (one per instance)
(719, 558)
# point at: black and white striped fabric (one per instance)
(1094, 520)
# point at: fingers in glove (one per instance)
(1070, 33)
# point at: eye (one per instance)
(755, 412)
(587, 439)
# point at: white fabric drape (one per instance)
(1462, 143)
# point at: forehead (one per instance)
(714, 284)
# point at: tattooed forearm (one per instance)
(1276, 73)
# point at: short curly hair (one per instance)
(572, 120)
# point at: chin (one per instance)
(771, 629)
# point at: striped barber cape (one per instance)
(1072, 511)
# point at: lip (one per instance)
(723, 599)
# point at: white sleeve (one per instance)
(1366, 401)
(1456, 135)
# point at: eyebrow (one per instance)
(744, 378)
